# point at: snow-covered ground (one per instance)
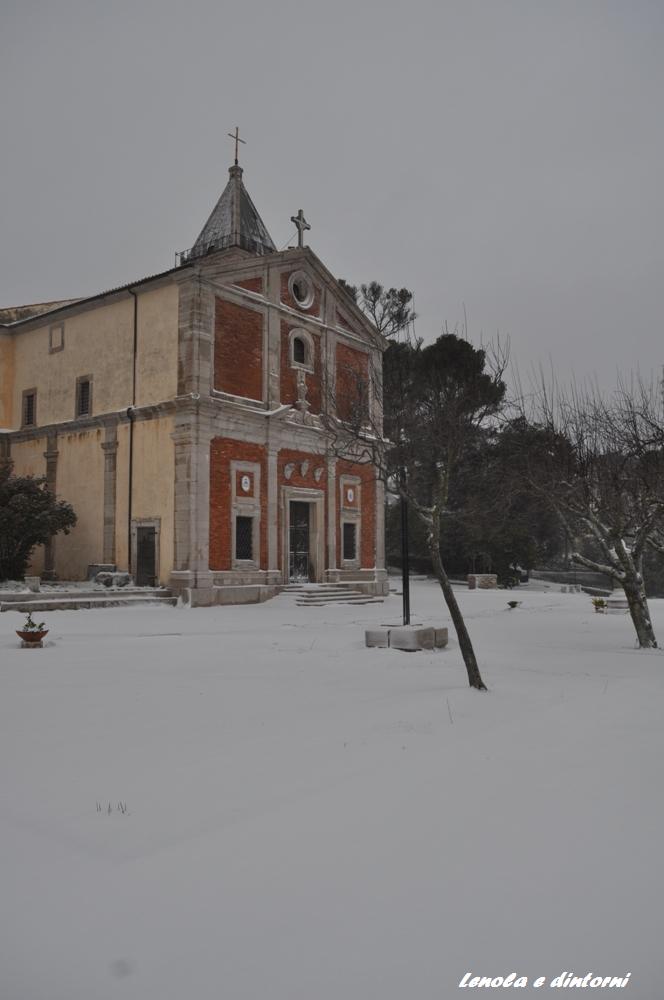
(310, 820)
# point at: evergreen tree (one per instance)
(30, 515)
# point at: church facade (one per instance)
(186, 417)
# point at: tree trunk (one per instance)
(465, 645)
(638, 609)
(627, 571)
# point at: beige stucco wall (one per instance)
(157, 374)
(80, 480)
(99, 342)
(28, 457)
(6, 379)
(153, 486)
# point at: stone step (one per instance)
(319, 595)
(8, 597)
(331, 595)
(69, 603)
(314, 588)
(333, 600)
(351, 600)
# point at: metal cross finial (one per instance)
(301, 224)
(236, 135)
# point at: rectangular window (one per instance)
(30, 408)
(56, 339)
(350, 540)
(84, 396)
(244, 537)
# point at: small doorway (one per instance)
(299, 542)
(146, 557)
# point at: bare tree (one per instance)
(599, 460)
(390, 309)
(436, 400)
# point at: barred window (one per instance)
(30, 408)
(83, 397)
(350, 540)
(244, 541)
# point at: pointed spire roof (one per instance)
(234, 222)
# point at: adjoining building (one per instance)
(185, 417)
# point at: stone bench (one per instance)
(408, 638)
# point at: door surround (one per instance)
(146, 522)
(316, 501)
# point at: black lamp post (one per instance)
(405, 559)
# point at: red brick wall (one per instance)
(251, 284)
(352, 365)
(367, 476)
(289, 374)
(223, 451)
(238, 350)
(287, 298)
(287, 455)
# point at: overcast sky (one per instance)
(504, 155)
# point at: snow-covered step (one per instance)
(350, 597)
(318, 595)
(70, 602)
(82, 593)
(315, 588)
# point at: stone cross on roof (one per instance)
(301, 224)
(236, 135)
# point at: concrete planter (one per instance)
(406, 638)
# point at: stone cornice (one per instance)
(150, 412)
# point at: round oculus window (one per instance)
(245, 482)
(301, 289)
(350, 494)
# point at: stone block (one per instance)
(441, 637)
(377, 637)
(411, 639)
(32, 583)
(482, 581)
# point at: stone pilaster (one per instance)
(381, 571)
(376, 390)
(330, 372)
(110, 449)
(273, 340)
(195, 338)
(51, 456)
(332, 514)
(272, 512)
(192, 436)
